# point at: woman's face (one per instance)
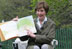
(41, 14)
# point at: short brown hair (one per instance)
(42, 5)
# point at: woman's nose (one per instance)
(39, 12)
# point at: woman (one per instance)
(45, 29)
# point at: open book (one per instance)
(12, 29)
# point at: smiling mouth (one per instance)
(40, 15)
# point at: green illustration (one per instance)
(25, 22)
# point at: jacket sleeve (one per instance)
(48, 37)
(24, 38)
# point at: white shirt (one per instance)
(38, 22)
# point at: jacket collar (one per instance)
(38, 22)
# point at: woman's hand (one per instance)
(31, 34)
(15, 19)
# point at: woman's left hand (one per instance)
(31, 34)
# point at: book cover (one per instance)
(18, 28)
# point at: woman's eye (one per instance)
(41, 10)
(38, 10)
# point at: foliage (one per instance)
(12, 8)
(60, 11)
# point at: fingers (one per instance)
(28, 32)
(15, 19)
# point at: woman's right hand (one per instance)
(15, 19)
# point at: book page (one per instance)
(26, 23)
(9, 29)
(18, 28)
